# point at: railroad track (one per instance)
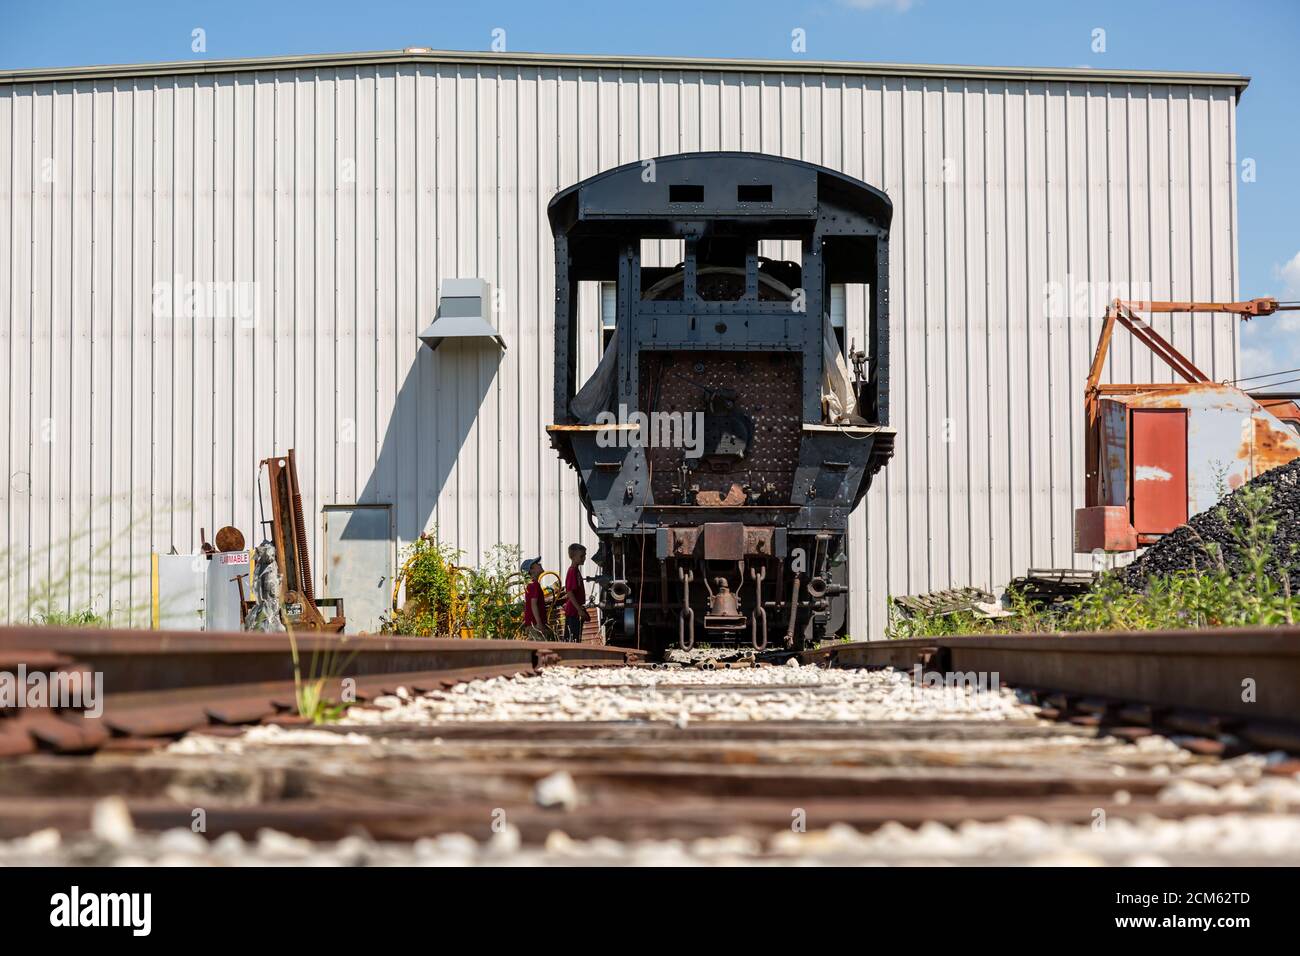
(1225, 687)
(687, 755)
(159, 684)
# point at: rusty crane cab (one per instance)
(721, 441)
(1157, 453)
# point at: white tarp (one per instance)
(837, 384)
(597, 394)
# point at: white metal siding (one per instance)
(346, 194)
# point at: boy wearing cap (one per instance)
(575, 595)
(535, 627)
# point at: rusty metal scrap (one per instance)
(230, 539)
(1047, 586)
(299, 605)
(948, 601)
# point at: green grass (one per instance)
(1210, 594)
(53, 617)
(325, 671)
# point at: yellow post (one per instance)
(156, 612)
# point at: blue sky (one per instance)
(1260, 39)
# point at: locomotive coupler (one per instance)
(724, 609)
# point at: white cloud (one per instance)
(1256, 362)
(1289, 274)
(1269, 344)
(898, 6)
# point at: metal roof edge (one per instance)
(416, 56)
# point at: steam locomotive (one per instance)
(728, 430)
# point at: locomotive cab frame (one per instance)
(722, 441)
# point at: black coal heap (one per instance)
(1185, 549)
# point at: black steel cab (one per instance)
(730, 425)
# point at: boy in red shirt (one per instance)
(535, 627)
(575, 595)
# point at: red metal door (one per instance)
(1158, 457)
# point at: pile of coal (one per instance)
(1187, 548)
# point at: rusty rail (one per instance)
(159, 684)
(1244, 681)
(636, 779)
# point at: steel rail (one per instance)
(160, 684)
(1240, 680)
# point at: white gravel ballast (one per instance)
(681, 696)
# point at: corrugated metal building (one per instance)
(319, 201)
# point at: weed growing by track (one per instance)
(433, 602)
(326, 669)
(494, 594)
(1246, 585)
(54, 617)
(71, 581)
(443, 598)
